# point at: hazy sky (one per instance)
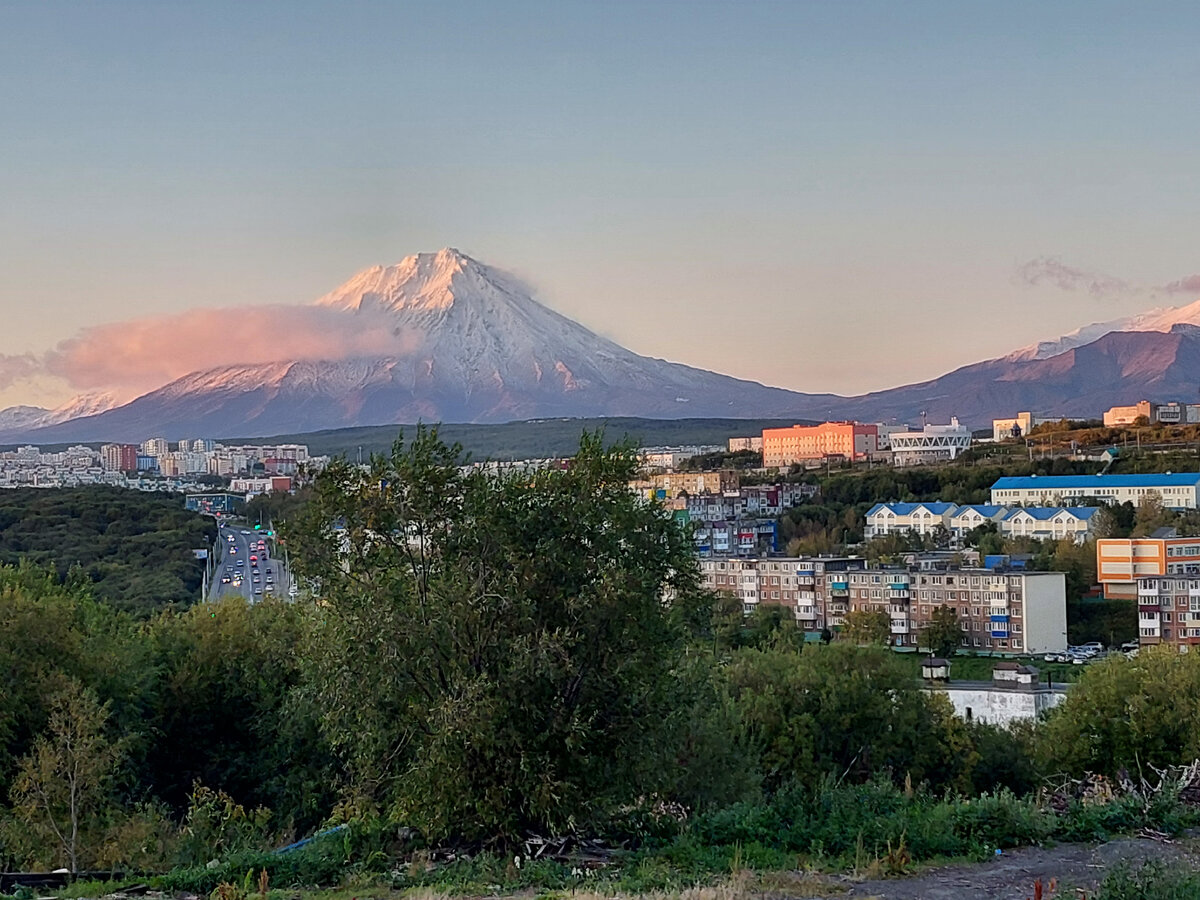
(826, 196)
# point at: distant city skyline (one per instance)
(753, 188)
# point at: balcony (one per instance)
(899, 626)
(1147, 590)
(899, 591)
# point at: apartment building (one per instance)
(894, 518)
(745, 443)
(1000, 611)
(1169, 611)
(1120, 562)
(850, 440)
(968, 518)
(669, 485)
(1050, 523)
(1044, 523)
(1176, 491)
(932, 444)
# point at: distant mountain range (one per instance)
(471, 345)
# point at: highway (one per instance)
(246, 566)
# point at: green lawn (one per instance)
(979, 668)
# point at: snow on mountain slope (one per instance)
(1163, 318)
(467, 344)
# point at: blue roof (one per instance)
(983, 509)
(903, 509)
(1060, 482)
(1041, 513)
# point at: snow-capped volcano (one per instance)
(1164, 318)
(460, 342)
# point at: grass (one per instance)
(979, 668)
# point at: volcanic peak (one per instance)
(422, 283)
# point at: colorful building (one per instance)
(849, 440)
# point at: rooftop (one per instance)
(1051, 482)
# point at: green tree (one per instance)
(62, 792)
(867, 626)
(847, 712)
(1126, 713)
(499, 652)
(943, 635)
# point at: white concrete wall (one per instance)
(1002, 706)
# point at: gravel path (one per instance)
(1012, 875)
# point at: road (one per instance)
(247, 562)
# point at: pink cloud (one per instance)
(17, 367)
(144, 354)
(1188, 285)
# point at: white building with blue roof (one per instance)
(1176, 491)
(1049, 523)
(967, 518)
(894, 518)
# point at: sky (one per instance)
(822, 196)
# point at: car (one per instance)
(241, 562)
(270, 588)
(253, 558)
(1130, 645)
(229, 568)
(1092, 645)
(258, 590)
(225, 579)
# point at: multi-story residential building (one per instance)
(745, 443)
(850, 440)
(119, 457)
(669, 485)
(1018, 426)
(1000, 611)
(1050, 523)
(894, 518)
(933, 443)
(1120, 562)
(1176, 491)
(1169, 611)
(155, 447)
(968, 518)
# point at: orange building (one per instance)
(852, 440)
(1121, 561)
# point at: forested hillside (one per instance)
(134, 547)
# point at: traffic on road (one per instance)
(246, 565)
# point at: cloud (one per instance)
(1053, 271)
(1188, 285)
(140, 355)
(17, 367)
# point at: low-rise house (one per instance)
(1050, 523)
(897, 518)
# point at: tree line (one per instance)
(488, 657)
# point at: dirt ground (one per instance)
(1011, 876)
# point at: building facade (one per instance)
(1050, 523)
(1018, 426)
(1120, 562)
(849, 440)
(1169, 611)
(1000, 611)
(1176, 491)
(932, 444)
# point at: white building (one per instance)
(1050, 523)
(896, 518)
(1178, 491)
(934, 443)
(1018, 426)
(1013, 695)
(968, 518)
